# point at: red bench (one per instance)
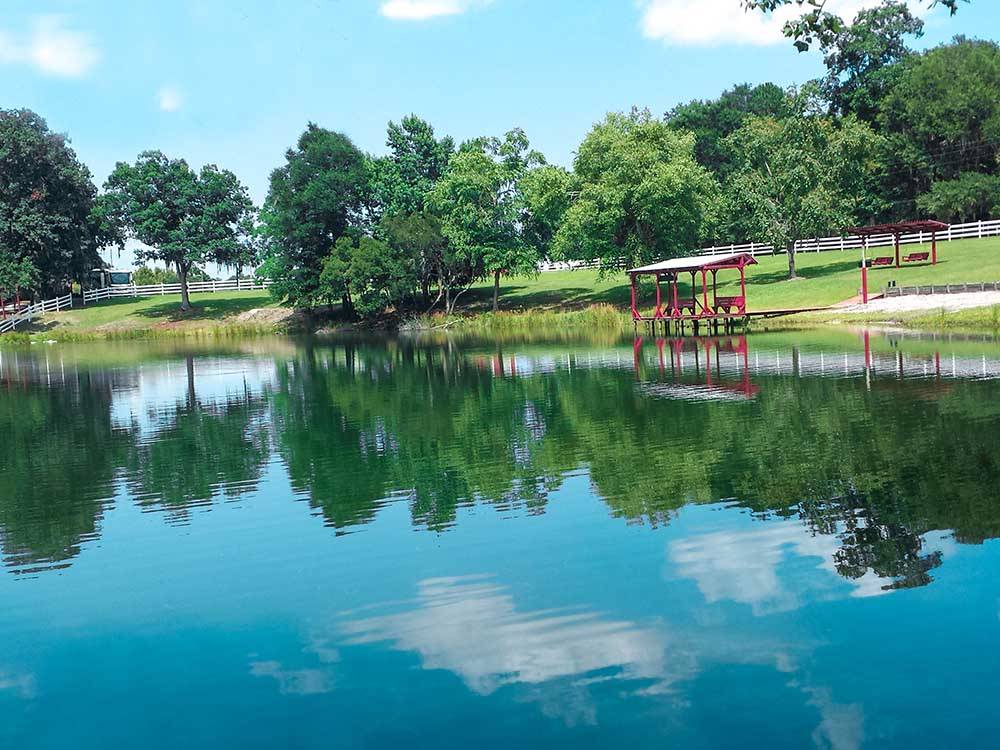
(915, 257)
(883, 261)
(731, 304)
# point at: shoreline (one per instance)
(604, 321)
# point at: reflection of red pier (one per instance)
(708, 347)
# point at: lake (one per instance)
(773, 541)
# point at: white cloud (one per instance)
(421, 10)
(294, 681)
(169, 99)
(472, 627)
(743, 566)
(51, 48)
(707, 22)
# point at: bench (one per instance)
(883, 261)
(915, 257)
(730, 304)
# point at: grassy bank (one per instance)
(826, 278)
(212, 315)
(560, 302)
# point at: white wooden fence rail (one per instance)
(27, 314)
(153, 290)
(973, 229)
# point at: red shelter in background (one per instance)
(896, 229)
(903, 227)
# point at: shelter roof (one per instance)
(697, 263)
(899, 227)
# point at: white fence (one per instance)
(971, 230)
(153, 290)
(27, 314)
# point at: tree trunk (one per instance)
(182, 275)
(496, 291)
(791, 260)
(191, 397)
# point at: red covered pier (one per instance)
(701, 304)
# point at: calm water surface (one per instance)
(772, 541)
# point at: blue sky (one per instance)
(235, 83)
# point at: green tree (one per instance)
(15, 274)
(861, 59)
(482, 207)
(416, 160)
(320, 192)
(942, 116)
(46, 204)
(641, 195)
(419, 234)
(802, 176)
(372, 275)
(969, 197)
(711, 121)
(548, 194)
(815, 23)
(380, 276)
(183, 218)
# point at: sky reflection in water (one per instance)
(778, 541)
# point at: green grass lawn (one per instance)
(826, 278)
(154, 312)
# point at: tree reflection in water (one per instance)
(874, 450)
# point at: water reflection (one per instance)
(472, 627)
(871, 445)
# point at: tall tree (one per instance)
(712, 120)
(46, 203)
(400, 184)
(942, 116)
(803, 176)
(182, 218)
(861, 59)
(416, 160)
(548, 194)
(319, 193)
(482, 206)
(817, 24)
(641, 195)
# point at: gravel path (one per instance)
(949, 302)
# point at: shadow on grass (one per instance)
(516, 297)
(808, 272)
(204, 309)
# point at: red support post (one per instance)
(704, 291)
(694, 293)
(933, 248)
(676, 307)
(743, 288)
(715, 291)
(864, 270)
(635, 311)
(658, 313)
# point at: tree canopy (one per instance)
(801, 175)
(640, 194)
(482, 206)
(313, 200)
(182, 218)
(49, 234)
